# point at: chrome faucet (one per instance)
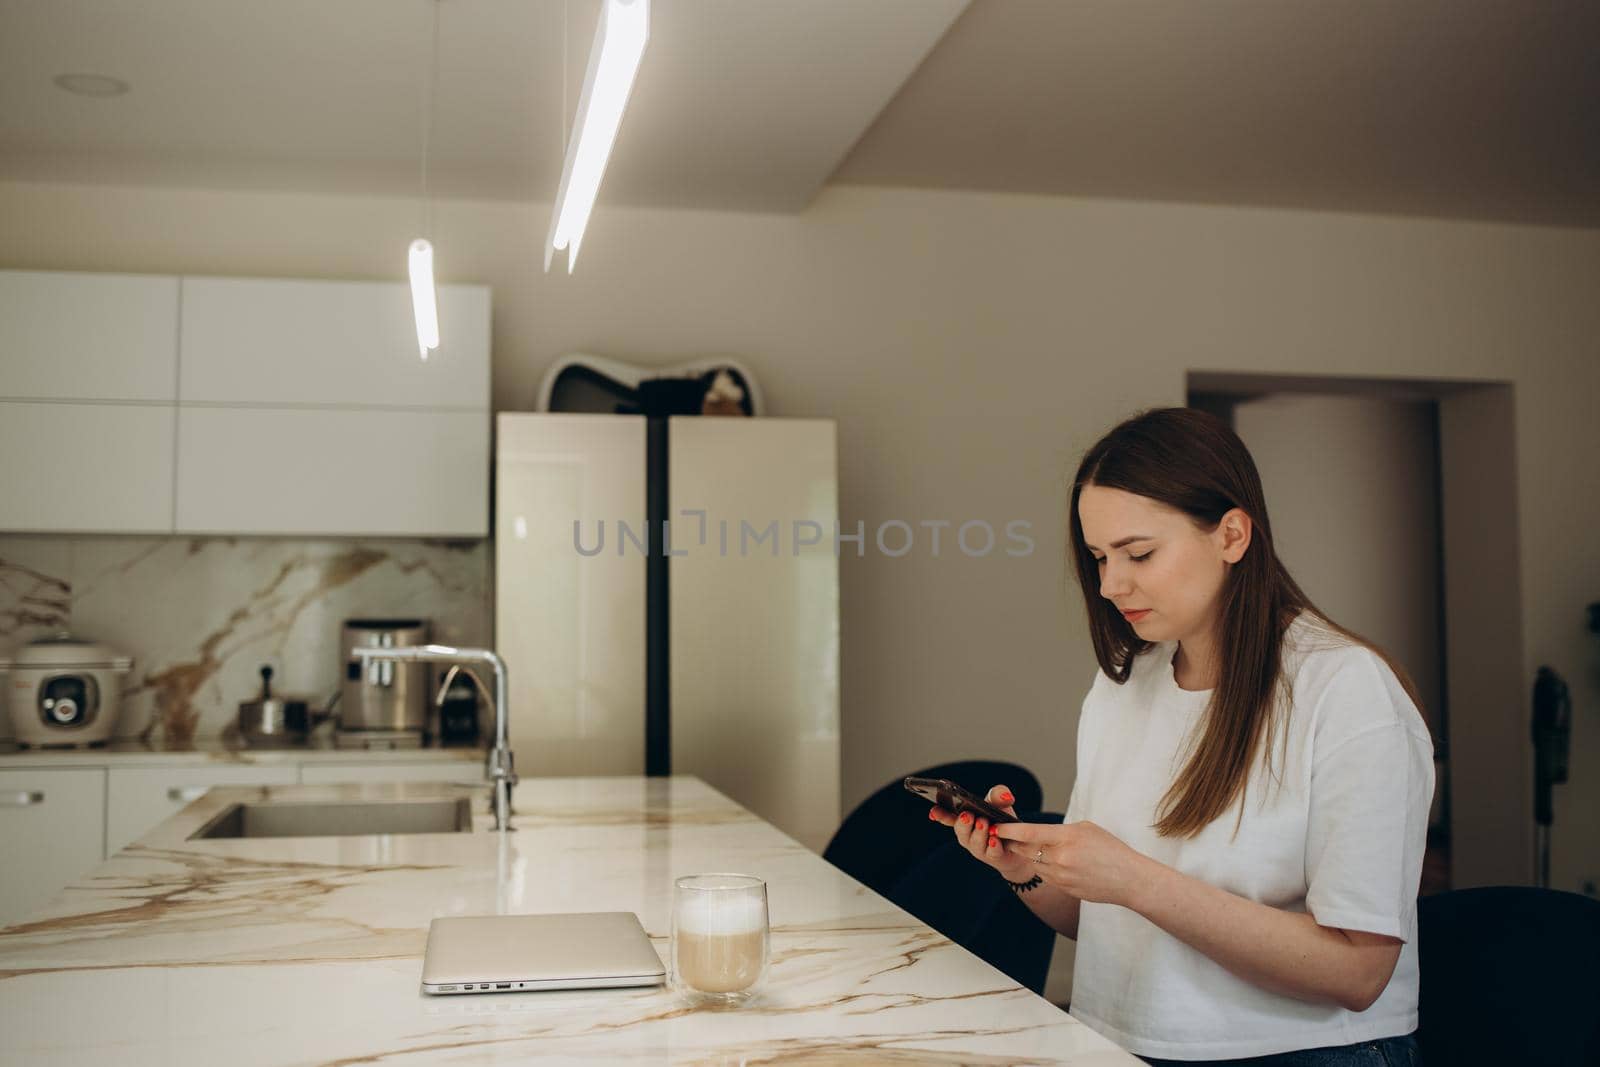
(500, 766)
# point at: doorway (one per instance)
(1393, 504)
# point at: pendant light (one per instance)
(613, 64)
(424, 305)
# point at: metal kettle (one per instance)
(268, 721)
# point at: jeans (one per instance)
(1385, 1052)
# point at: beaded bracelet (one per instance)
(1022, 887)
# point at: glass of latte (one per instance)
(719, 937)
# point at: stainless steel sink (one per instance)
(337, 819)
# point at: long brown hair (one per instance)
(1193, 461)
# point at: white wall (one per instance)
(971, 346)
(1352, 488)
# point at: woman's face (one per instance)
(1153, 558)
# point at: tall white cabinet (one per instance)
(571, 627)
(755, 629)
(148, 404)
(753, 634)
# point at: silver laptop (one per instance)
(505, 953)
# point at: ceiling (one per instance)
(739, 104)
(1483, 109)
(1466, 108)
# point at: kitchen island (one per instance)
(309, 949)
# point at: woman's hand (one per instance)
(1081, 858)
(977, 836)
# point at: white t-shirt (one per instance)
(1341, 836)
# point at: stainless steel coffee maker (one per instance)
(383, 704)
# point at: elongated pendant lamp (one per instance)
(423, 306)
(613, 64)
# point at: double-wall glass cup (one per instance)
(720, 937)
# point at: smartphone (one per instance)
(951, 797)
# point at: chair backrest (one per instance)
(1510, 974)
(970, 904)
(889, 832)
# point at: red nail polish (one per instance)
(1006, 798)
(966, 816)
(934, 815)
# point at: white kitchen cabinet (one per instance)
(288, 342)
(341, 472)
(752, 627)
(52, 831)
(69, 336)
(89, 468)
(755, 628)
(571, 627)
(240, 406)
(453, 770)
(140, 798)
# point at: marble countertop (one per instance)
(320, 748)
(309, 950)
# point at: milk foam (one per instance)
(712, 914)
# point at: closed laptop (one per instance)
(506, 953)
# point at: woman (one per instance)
(1241, 853)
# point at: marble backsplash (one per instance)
(201, 615)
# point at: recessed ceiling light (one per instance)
(91, 84)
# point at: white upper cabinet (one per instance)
(345, 472)
(148, 404)
(85, 468)
(87, 336)
(289, 342)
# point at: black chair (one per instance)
(970, 904)
(890, 832)
(889, 844)
(1510, 974)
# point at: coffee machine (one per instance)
(383, 704)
